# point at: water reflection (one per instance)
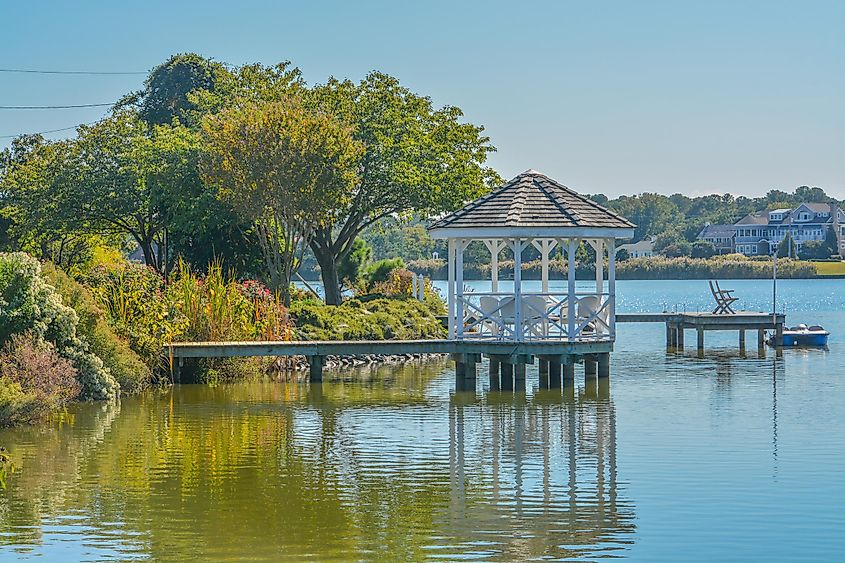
(547, 466)
(390, 467)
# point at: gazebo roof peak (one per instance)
(532, 201)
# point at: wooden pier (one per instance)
(507, 360)
(741, 321)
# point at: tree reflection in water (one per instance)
(387, 465)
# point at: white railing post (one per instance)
(570, 278)
(611, 284)
(459, 282)
(452, 295)
(517, 289)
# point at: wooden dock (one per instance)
(507, 359)
(741, 321)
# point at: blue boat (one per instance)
(804, 336)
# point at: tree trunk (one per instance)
(328, 272)
(149, 254)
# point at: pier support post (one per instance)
(604, 366)
(761, 340)
(543, 374)
(679, 338)
(465, 371)
(779, 335)
(670, 335)
(507, 377)
(590, 369)
(519, 377)
(700, 346)
(742, 340)
(554, 375)
(315, 369)
(494, 375)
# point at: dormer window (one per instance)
(804, 216)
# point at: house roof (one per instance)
(761, 218)
(532, 200)
(717, 231)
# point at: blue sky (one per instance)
(613, 97)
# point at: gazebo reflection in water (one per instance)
(549, 465)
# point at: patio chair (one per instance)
(723, 298)
(587, 307)
(491, 309)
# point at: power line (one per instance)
(48, 131)
(83, 72)
(59, 107)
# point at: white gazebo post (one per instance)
(611, 284)
(517, 288)
(599, 248)
(571, 299)
(450, 289)
(459, 282)
(494, 246)
(545, 246)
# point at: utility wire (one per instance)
(48, 131)
(58, 107)
(83, 72)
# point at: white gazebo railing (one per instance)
(520, 315)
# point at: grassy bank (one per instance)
(732, 266)
(830, 268)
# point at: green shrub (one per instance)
(34, 381)
(131, 373)
(29, 304)
(379, 271)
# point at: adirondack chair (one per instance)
(723, 298)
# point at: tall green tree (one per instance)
(167, 89)
(418, 159)
(284, 167)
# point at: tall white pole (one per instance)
(570, 278)
(517, 288)
(451, 288)
(459, 282)
(599, 248)
(545, 246)
(611, 284)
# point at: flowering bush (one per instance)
(29, 304)
(35, 380)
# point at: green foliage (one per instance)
(284, 168)
(672, 244)
(167, 89)
(787, 247)
(703, 249)
(814, 250)
(130, 371)
(352, 266)
(380, 271)
(728, 266)
(418, 159)
(377, 319)
(215, 306)
(29, 305)
(34, 381)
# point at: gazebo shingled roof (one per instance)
(532, 199)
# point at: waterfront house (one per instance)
(641, 249)
(720, 236)
(757, 234)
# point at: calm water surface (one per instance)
(726, 458)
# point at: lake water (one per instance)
(725, 458)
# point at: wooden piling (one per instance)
(603, 365)
(494, 375)
(507, 377)
(554, 375)
(742, 340)
(543, 374)
(519, 377)
(315, 368)
(700, 346)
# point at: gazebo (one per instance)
(533, 211)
